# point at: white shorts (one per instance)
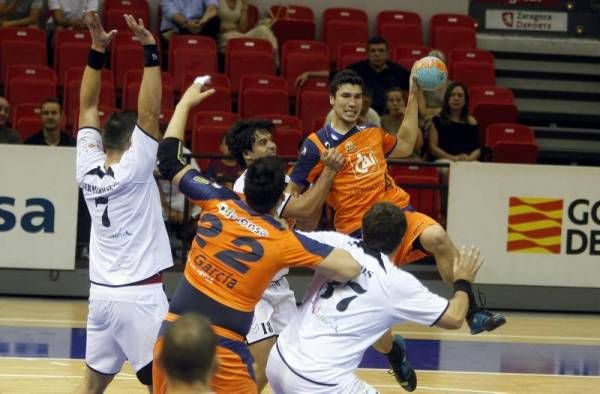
(283, 380)
(122, 325)
(273, 311)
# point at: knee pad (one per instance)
(144, 375)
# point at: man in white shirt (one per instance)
(129, 247)
(248, 141)
(68, 14)
(324, 343)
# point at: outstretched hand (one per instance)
(137, 27)
(194, 95)
(100, 38)
(467, 264)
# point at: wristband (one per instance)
(96, 59)
(151, 58)
(463, 285)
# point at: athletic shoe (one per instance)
(403, 372)
(484, 320)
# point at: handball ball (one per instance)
(431, 73)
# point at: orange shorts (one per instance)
(234, 375)
(416, 222)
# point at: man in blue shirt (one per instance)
(190, 17)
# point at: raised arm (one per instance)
(409, 129)
(89, 94)
(150, 94)
(171, 163)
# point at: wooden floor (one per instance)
(62, 375)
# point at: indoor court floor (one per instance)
(42, 345)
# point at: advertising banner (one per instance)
(535, 225)
(38, 207)
(519, 20)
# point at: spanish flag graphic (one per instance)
(534, 225)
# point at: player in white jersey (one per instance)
(129, 247)
(247, 141)
(324, 343)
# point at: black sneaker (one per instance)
(480, 319)
(484, 320)
(403, 372)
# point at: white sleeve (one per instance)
(139, 161)
(413, 301)
(238, 185)
(90, 152)
(331, 238)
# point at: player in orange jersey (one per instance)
(239, 247)
(364, 180)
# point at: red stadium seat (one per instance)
(187, 54)
(114, 10)
(131, 93)
(27, 90)
(489, 94)
(261, 94)
(292, 22)
(126, 55)
(452, 20)
(216, 80)
(301, 56)
(422, 184)
(287, 141)
(399, 35)
(448, 38)
(343, 25)
(508, 132)
(220, 101)
(28, 126)
(206, 140)
(71, 49)
(310, 106)
(397, 17)
(246, 56)
(345, 14)
(33, 72)
(351, 53)
(406, 56)
(511, 143)
(474, 74)
(27, 110)
(489, 113)
(470, 55)
(283, 121)
(215, 118)
(21, 53)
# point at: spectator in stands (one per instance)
(367, 114)
(379, 73)
(20, 13)
(190, 17)
(394, 115)
(4, 111)
(51, 133)
(224, 171)
(189, 355)
(68, 14)
(431, 101)
(235, 24)
(454, 135)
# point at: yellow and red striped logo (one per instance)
(534, 225)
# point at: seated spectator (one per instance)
(394, 114)
(68, 14)
(431, 101)
(454, 135)
(367, 114)
(189, 17)
(51, 133)
(4, 111)
(235, 24)
(379, 73)
(188, 355)
(20, 13)
(224, 171)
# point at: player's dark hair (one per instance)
(117, 130)
(345, 77)
(383, 227)
(464, 113)
(242, 135)
(189, 347)
(265, 181)
(375, 40)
